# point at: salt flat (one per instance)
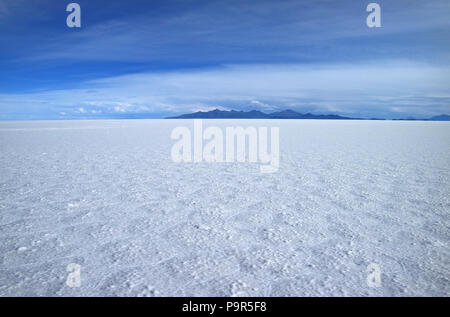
(107, 196)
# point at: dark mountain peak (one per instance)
(442, 117)
(288, 112)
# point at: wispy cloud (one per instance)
(383, 89)
(242, 31)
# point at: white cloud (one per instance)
(262, 105)
(119, 109)
(348, 88)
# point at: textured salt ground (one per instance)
(106, 195)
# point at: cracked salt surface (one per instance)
(106, 195)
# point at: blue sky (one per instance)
(156, 58)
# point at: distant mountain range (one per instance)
(442, 117)
(285, 114)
